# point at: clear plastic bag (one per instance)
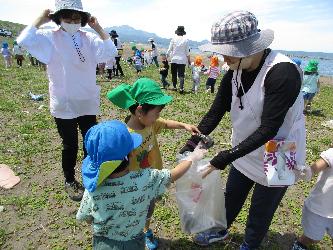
(200, 201)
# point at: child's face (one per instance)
(163, 58)
(148, 119)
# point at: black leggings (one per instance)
(264, 202)
(67, 129)
(178, 69)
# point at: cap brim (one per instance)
(161, 101)
(106, 169)
(243, 48)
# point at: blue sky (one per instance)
(298, 24)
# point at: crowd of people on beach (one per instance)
(265, 92)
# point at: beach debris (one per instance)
(328, 124)
(41, 107)
(36, 97)
(8, 179)
(2, 208)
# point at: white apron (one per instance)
(246, 121)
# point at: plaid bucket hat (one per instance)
(108, 144)
(237, 35)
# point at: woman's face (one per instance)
(75, 18)
(233, 62)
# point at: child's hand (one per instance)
(197, 154)
(191, 128)
(303, 172)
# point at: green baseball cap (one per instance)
(143, 91)
(312, 66)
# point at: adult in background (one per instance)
(178, 51)
(261, 90)
(71, 56)
(119, 46)
(154, 52)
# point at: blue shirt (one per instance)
(119, 207)
(310, 83)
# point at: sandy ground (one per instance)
(326, 80)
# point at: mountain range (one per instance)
(129, 34)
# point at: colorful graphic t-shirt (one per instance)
(148, 154)
(119, 207)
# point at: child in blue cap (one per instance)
(7, 55)
(116, 200)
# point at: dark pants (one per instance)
(109, 73)
(67, 129)
(118, 68)
(210, 84)
(264, 202)
(155, 61)
(178, 69)
(164, 81)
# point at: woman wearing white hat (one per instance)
(71, 56)
(261, 90)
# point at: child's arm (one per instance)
(324, 162)
(171, 124)
(186, 163)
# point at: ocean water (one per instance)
(325, 60)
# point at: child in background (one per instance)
(145, 100)
(137, 60)
(310, 84)
(164, 71)
(18, 53)
(7, 55)
(116, 200)
(213, 72)
(196, 67)
(317, 217)
(110, 66)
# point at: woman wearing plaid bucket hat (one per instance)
(261, 90)
(71, 56)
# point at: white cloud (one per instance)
(297, 24)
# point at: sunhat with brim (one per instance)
(237, 35)
(69, 5)
(113, 33)
(312, 66)
(143, 91)
(108, 144)
(180, 31)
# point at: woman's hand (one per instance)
(94, 24)
(43, 18)
(191, 128)
(210, 168)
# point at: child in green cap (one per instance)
(310, 84)
(145, 100)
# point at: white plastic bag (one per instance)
(200, 201)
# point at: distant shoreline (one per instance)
(326, 80)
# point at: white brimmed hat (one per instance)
(69, 5)
(237, 35)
